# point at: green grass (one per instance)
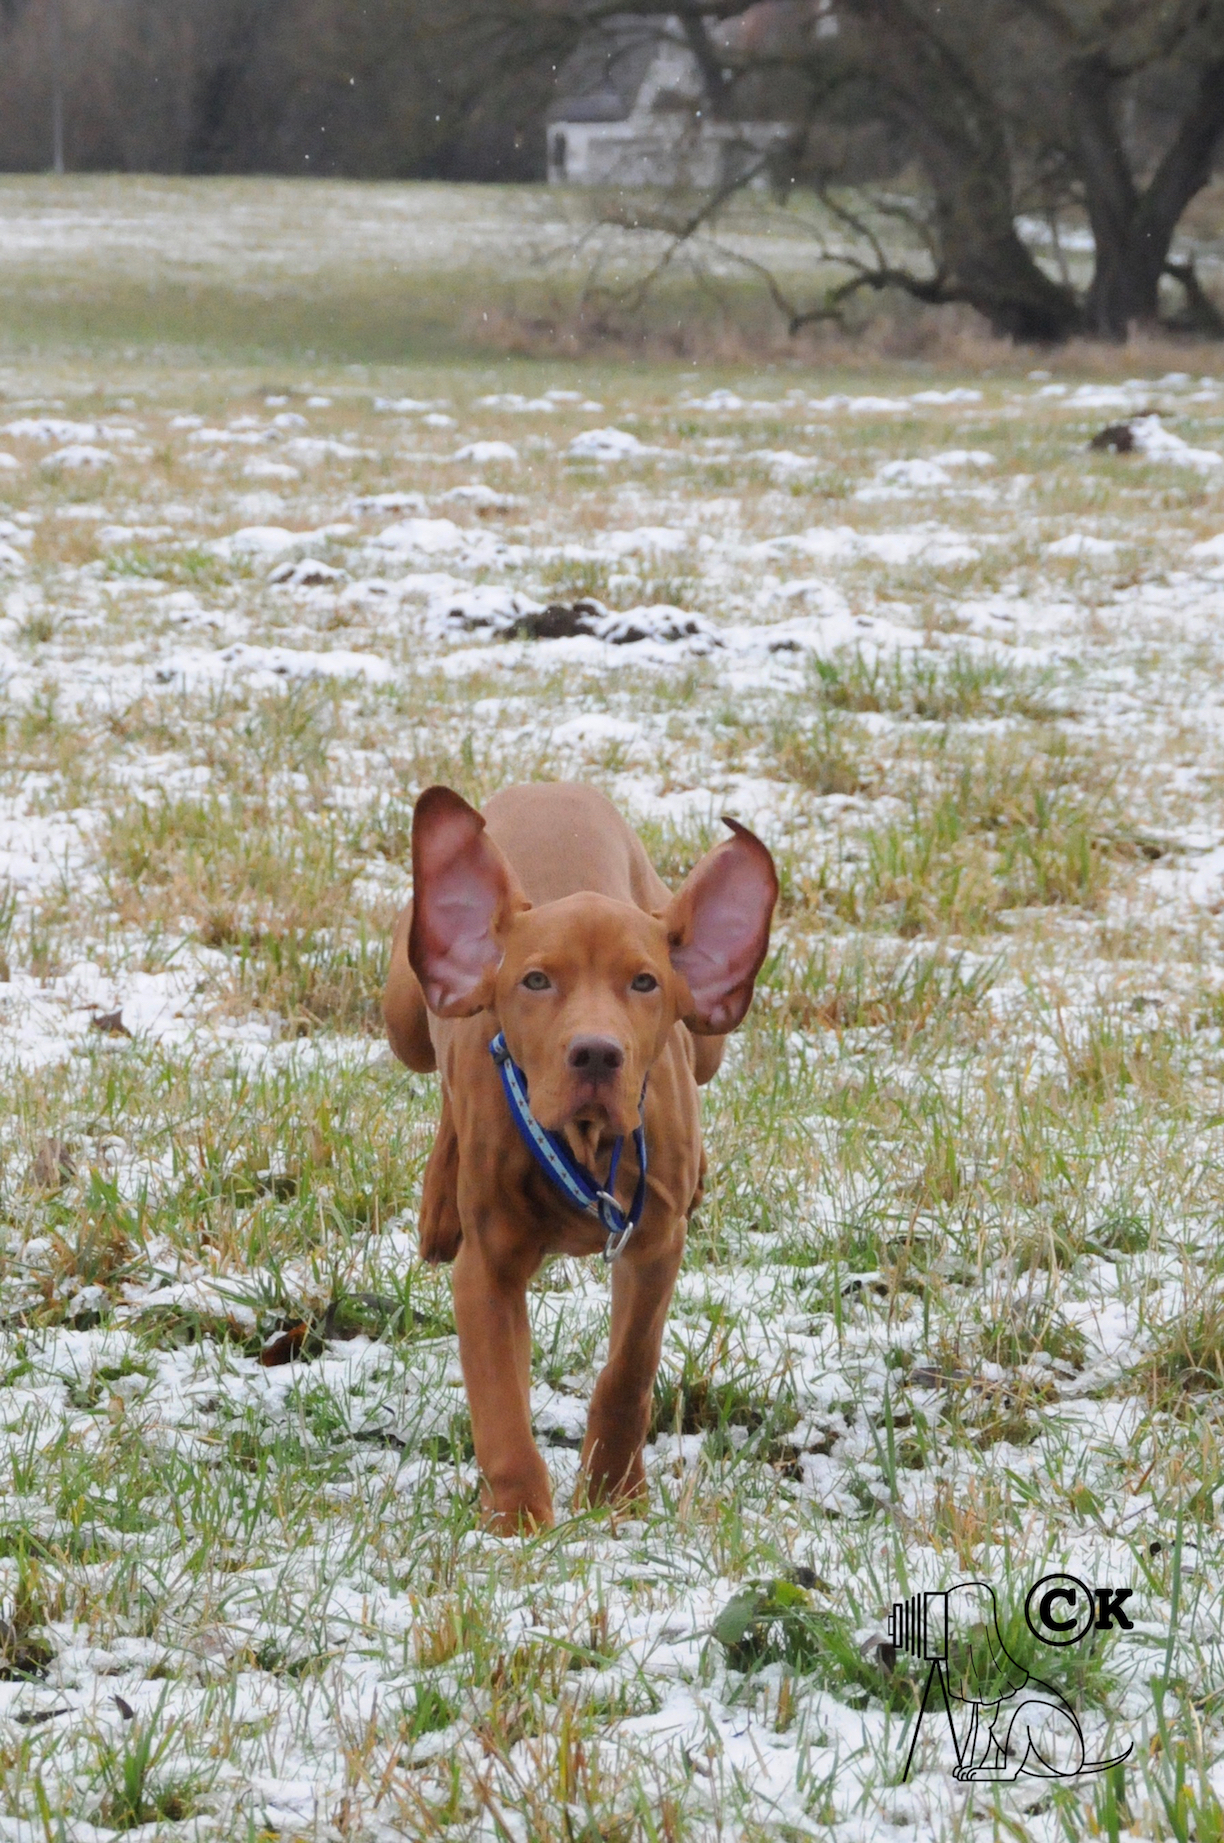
(955, 688)
(950, 1304)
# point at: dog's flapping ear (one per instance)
(718, 929)
(463, 895)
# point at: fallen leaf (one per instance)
(111, 1023)
(283, 1346)
(53, 1165)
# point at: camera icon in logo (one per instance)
(1015, 1722)
(919, 1625)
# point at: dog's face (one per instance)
(586, 994)
(586, 989)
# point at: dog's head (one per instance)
(586, 989)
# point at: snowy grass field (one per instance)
(953, 1308)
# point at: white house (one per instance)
(633, 111)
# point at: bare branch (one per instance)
(717, 86)
(1123, 38)
(1201, 315)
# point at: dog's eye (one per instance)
(537, 981)
(645, 982)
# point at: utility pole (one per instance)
(57, 86)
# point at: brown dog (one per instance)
(549, 923)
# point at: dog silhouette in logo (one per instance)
(1017, 1723)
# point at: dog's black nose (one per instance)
(596, 1057)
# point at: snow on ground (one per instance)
(963, 675)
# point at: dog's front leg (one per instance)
(966, 1743)
(495, 1351)
(642, 1281)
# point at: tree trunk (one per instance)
(958, 134)
(1134, 230)
(983, 260)
(1125, 289)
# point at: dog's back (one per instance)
(562, 837)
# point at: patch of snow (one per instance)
(606, 445)
(1197, 880)
(80, 457)
(307, 573)
(496, 610)
(270, 540)
(840, 543)
(256, 541)
(962, 394)
(513, 400)
(860, 406)
(660, 624)
(234, 437)
(920, 474)
(1100, 397)
(596, 726)
(484, 453)
(314, 448)
(267, 664)
(270, 470)
(643, 540)
(717, 401)
(491, 608)
(784, 463)
(481, 497)
(1082, 544)
(51, 429)
(427, 537)
(127, 534)
(263, 504)
(901, 479)
(1077, 240)
(1157, 443)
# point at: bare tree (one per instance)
(379, 88)
(1002, 104)
(1113, 108)
(932, 75)
(1103, 49)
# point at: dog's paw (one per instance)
(518, 1520)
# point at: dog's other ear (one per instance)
(718, 929)
(463, 895)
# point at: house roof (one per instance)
(600, 80)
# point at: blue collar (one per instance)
(555, 1159)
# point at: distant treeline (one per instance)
(375, 88)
